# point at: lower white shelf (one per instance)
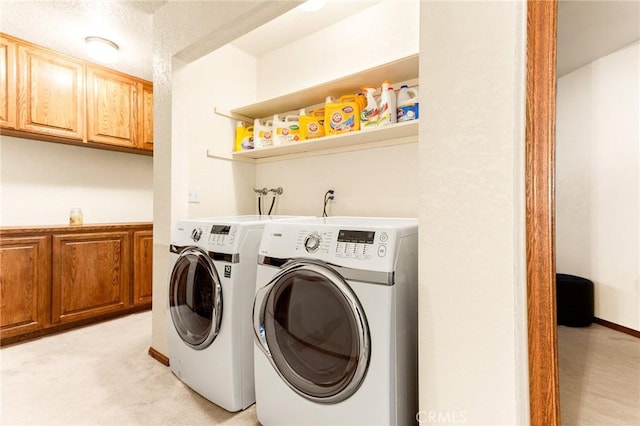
(394, 134)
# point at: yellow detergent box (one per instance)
(244, 137)
(312, 125)
(342, 116)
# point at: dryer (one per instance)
(212, 272)
(335, 322)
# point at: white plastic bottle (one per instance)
(388, 110)
(262, 134)
(287, 130)
(369, 114)
(408, 104)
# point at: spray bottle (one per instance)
(369, 114)
(388, 113)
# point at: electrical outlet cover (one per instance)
(194, 194)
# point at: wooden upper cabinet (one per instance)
(24, 284)
(50, 93)
(145, 131)
(49, 96)
(8, 88)
(111, 108)
(91, 275)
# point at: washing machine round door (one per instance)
(313, 330)
(195, 298)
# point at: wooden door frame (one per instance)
(540, 212)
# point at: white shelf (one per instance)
(401, 71)
(394, 134)
(397, 72)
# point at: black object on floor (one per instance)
(574, 300)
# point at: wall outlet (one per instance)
(194, 194)
(332, 197)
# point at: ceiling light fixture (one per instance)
(102, 49)
(313, 5)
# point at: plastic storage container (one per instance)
(342, 116)
(312, 125)
(244, 137)
(262, 134)
(408, 104)
(388, 109)
(287, 130)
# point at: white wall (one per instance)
(374, 182)
(598, 182)
(41, 181)
(225, 187)
(473, 334)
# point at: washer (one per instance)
(335, 322)
(211, 289)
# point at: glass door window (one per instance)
(316, 333)
(195, 298)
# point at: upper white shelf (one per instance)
(393, 134)
(396, 72)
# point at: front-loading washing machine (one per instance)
(335, 322)
(212, 267)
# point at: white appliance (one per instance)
(212, 266)
(335, 322)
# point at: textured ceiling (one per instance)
(587, 30)
(62, 25)
(146, 6)
(297, 24)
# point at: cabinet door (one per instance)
(145, 131)
(24, 284)
(91, 275)
(50, 93)
(142, 267)
(8, 87)
(111, 108)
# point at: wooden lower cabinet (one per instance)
(24, 285)
(91, 275)
(56, 278)
(142, 267)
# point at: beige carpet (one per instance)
(599, 376)
(100, 375)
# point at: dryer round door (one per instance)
(195, 298)
(313, 330)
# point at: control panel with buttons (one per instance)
(222, 235)
(349, 244)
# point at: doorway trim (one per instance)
(544, 401)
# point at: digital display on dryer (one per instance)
(359, 237)
(220, 229)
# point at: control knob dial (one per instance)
(196, 234)
(312, 242)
